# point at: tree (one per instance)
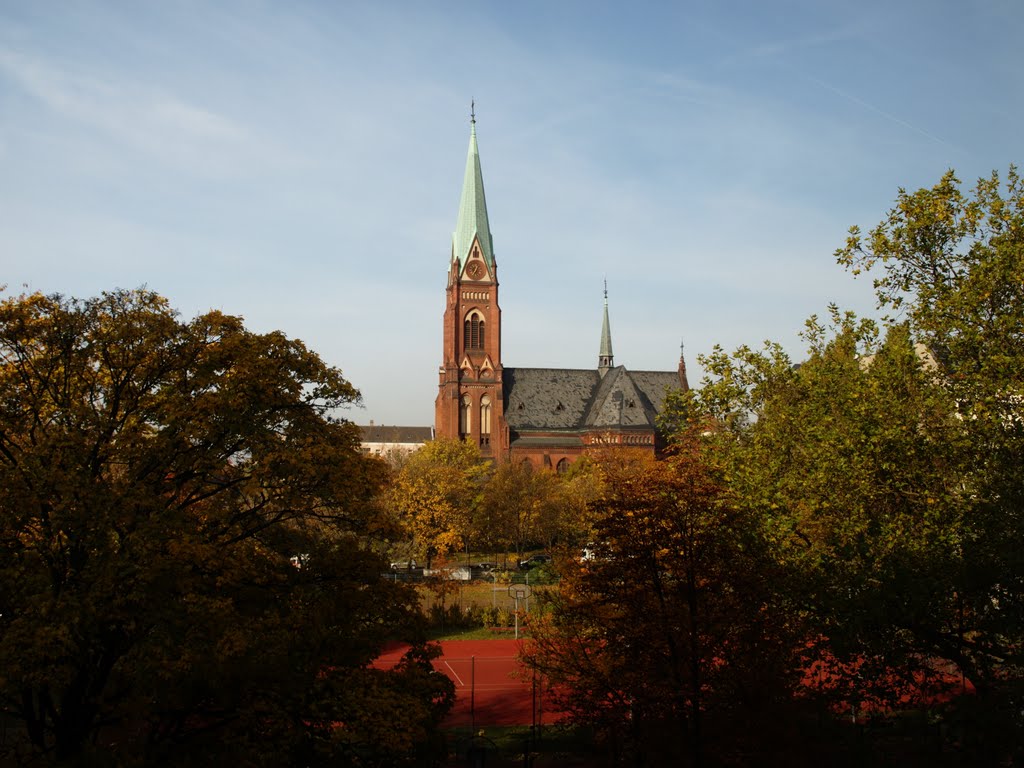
(952, 264)
(847, 464)
(523, 507)
(884, 468)
(510, 508)
(435, 496)
(666, 632)
(181, 516)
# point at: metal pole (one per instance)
(540, 708)
(472, 693)
(533, 728)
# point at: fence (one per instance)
(537, 576)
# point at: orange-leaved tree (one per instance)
(665, 635)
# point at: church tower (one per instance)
(469, 403)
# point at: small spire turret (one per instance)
(683, 383)
(605, 358)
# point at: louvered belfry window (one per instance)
(473, 332)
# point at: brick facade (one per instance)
(470, 399)
(549, 417)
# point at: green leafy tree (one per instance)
(885, 469)
(181, 517)
(847, 465)
(952, 265)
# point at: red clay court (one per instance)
(491, 686)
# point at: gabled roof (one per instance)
(472, 221)
(618, 402)
(654, 385)
(579, 401)
(547, 398)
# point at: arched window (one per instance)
(485, 415)
(562, 467)
(473, 331)
(465, 415)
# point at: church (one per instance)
(548, 417)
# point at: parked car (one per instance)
(534, 561)
(404, 565)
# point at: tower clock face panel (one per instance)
(474, 270)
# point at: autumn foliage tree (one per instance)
(665, 636)
(435, 497)
(182, 570)
(523, 507)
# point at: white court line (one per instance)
(457, 678)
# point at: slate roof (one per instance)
(561, 399)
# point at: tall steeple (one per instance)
(605, 359)
(472, 221)
(470, 398)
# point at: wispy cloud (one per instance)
(147, 119)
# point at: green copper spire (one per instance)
(472, 221)
(605, 359)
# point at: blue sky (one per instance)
(300, 163)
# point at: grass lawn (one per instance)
(481, 593)
(475, 633)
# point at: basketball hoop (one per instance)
(518, 592)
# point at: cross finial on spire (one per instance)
(606, 289)
(681, 348)
(472, 111)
